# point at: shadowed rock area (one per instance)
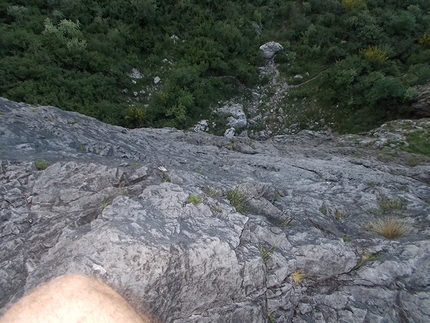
(196, 228)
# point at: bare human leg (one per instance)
(73, 299)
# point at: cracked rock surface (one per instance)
(115, 204)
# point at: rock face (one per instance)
(270, 49)
(236, 117)
(293, 244)
(422, 104)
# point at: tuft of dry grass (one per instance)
(390, 228)
(298, 276)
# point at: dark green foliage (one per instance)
(359, 89)
(77, 55)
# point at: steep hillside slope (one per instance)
(196, 228)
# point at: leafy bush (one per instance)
(135, 117)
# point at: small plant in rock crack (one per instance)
(104, 205)
(298, 276)
(346, 239)
(238, 200)
(366, 257)
(41, 164)
(194, 199)
(340, 214)
(271, 318)
(266, 253)
(390, 228)
(165, 178)
(286, 222)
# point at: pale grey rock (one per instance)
(235, 115)
(135, 74)
(270, 49)
(113, 205)
(229, 133)
(202, 126)
(157, 80)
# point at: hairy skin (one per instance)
(73, 299)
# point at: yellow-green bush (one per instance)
(352, 4)
(424, 40)
(374, 53)
(135, 117)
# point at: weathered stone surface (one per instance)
(270, 49)
(113, 204)
(235, 115)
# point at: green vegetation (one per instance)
(340, 214)
(104, 205)
(238, 200)
(213, 192)
(194, 199)
(361, 57)
(366, 257)
(165, 178)
(74, 121)
(386, 204)
(419, 143)
(286, 222)
(271, 318)
(41, 164)
(266, 253)
(78, 55)
(390, 228)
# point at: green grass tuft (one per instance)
(41, 164)
(266, 253)
(194, 199)
(104, 204)
(238, 200)
(386, 204)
